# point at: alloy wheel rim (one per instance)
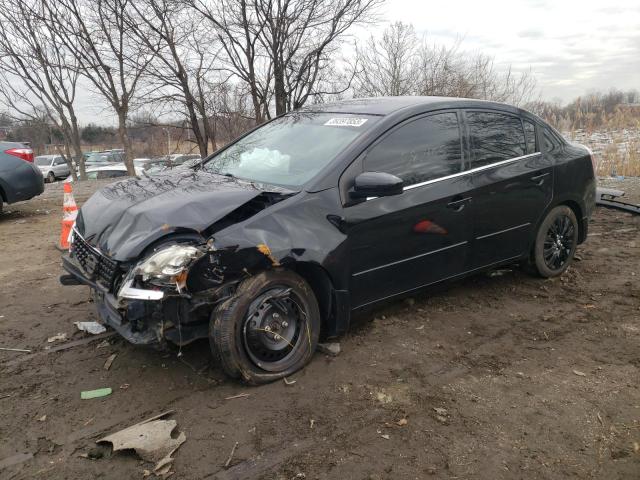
(558, 242)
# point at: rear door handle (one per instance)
(458, 203)
(539, 179)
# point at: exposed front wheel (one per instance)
(556, 242)
(269, 329)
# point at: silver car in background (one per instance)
(52, 167)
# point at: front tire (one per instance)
(556, 243)
(268, 330)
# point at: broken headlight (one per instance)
(166, 265)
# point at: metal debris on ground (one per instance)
(94, 328)
(21, 350)
(332, 349)
(55, 338)
(288, 382)
(151, 440)
(579, 373)
(107, 364)
(100, 392)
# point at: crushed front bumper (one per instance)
(145, 317)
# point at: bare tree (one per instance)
(400, 63)
(113, 60)
(281, 48)
(237, 29)
(37, 75)
(183, 57)
(388, 66)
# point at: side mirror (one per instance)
(376, 184)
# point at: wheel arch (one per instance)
(578, 212)
(334, 304)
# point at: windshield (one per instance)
(43, 161)
(290, 150)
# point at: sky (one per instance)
(572, 47)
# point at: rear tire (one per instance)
(51, 177)
(555, 244)
(268, 330)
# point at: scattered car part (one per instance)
(607, 197)
(151, 440)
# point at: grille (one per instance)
(98, 267)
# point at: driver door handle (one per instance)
(539, 179)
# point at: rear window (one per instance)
(43, 161)
(551, 143)
(494, 137)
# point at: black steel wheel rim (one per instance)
(558, 242)
(274, 328)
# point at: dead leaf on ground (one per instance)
(579, 373)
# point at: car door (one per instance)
(512, 184)
(399, 243)
(60, 168)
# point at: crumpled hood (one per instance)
(123, 218)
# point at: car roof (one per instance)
(388, 105)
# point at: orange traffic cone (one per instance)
(69, 214)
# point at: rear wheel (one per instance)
(269, 329)
(51, 177)
(556, 242)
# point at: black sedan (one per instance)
(275, 240)
(20, 178)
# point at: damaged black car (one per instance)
(274, 241)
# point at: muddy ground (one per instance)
(531, 378)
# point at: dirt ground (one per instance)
(499, 376)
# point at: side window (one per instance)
(530, 133)
(424, 149)
(494, 137)
(59, 161)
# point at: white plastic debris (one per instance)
(151, 440)
(93, 328)
(55, 338)
(332, 349)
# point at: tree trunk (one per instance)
(77, 147)
(126, 142)
(279, 87)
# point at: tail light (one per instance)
(25, 154)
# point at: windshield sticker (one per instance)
(346, 122)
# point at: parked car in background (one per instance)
(20, 179)
(52, 167)
(180, 158)
(106, 157)
(107, 171)
(169, 162)
(320, 213)
(141, 162)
